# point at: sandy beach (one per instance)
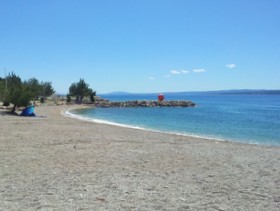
(54, 162)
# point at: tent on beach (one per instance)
(28, 111)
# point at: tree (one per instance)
(2, 89)
(43, 89)
(92, 95)
(13, 90)
(33, 87)
(80, 90)
(47, 89)
(17, 93)
(68, 100)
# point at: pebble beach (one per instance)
(54, 162)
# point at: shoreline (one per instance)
(58, 163)
(68, 113)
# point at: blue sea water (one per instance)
(233, 117)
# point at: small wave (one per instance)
(217, 139)
(99, 121)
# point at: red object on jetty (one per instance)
(160, 97)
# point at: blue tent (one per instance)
(28, 111)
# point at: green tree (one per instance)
(68, 100)
(2, 89)
(43, 89)
(13, 90)
(80, 90)
(92, 95)
(33, 87)
(17, 93)
(46, 89)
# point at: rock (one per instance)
(277, 199)
(143, 103)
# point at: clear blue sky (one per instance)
(143, 45)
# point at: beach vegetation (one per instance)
(81, 89)
(19, 93)
(16, 93)
(2, 88)
(39, 90)
(68, 100)
(47, 89)
(33, 87)
(92, 95)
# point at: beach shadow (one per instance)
(7, 112)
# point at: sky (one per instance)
(143, 46)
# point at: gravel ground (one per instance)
(54, 162)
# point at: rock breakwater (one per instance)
(144, 103)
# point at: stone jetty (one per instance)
(143, 103)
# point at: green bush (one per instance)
(68, 100)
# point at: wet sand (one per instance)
(59, 163)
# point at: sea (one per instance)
(252, 118)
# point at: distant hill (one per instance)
(219, 92)
(248, 92)
(117, 93)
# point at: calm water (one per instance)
(240, 118)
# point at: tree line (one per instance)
(13, 90)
